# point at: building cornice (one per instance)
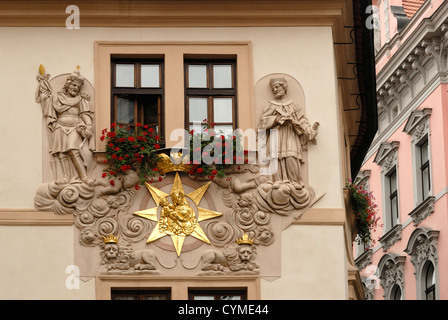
(427, 28)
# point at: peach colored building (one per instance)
(406, 166)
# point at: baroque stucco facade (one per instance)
(52, 227)
(411, 112)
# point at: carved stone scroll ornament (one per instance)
(286, 190)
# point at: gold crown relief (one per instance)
(245, 240)
(111, 239)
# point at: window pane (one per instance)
(197, 109)
(396, 292)
(154, 297)
(425, 182)
(125, 111)
(197, 128)
(424, 152)
(150, 107)
(394, 210)
(150, 76)
(393, 181)
(125, 296)
(222, 109)
(124, 75)
(197, 76)
(430, 276)
(224, 130)
(230, 297)
(222, 76)
(204, 298)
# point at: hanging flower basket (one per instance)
(365, 211)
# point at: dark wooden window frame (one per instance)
(217, 292)
(393, 195)
(424, 166)
(430, 289)
(211, 92)
(140, 294)
(137, 91)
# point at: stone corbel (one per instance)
(364, 259)
(417, 66)
(391, 237)
(437, 50)
(422, 211)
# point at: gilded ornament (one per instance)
(110, 239)
(177, 219)
(245, 240)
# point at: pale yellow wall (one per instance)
(313, 265)
(34, 264)
(305, 53)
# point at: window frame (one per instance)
(217, 292)
(141, 293)
(393, 220)
(137, 92)
(429, 289)
(209, 92)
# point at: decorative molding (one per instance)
(418, 124)
(391, 237)
(391, 268)
(364, 259)
(362, 179)
(422, 211)
(422, 246)
(32, 217)
(179, 285)
(369, 288)
(386, 156)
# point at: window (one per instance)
(141, 294)
(137, 93)
(210, 94)
(201, 294)
(430, 282)
(393, 197)
(424, 169)
(395, 293)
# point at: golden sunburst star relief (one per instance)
(177, 219)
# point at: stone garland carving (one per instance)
(101, 210)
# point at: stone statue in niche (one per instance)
(69, 118)
(286, 189)
(238, 257)
(117, 257)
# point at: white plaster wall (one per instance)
(305, 53)
(35, 258)
(34, 264)
(313, 265)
